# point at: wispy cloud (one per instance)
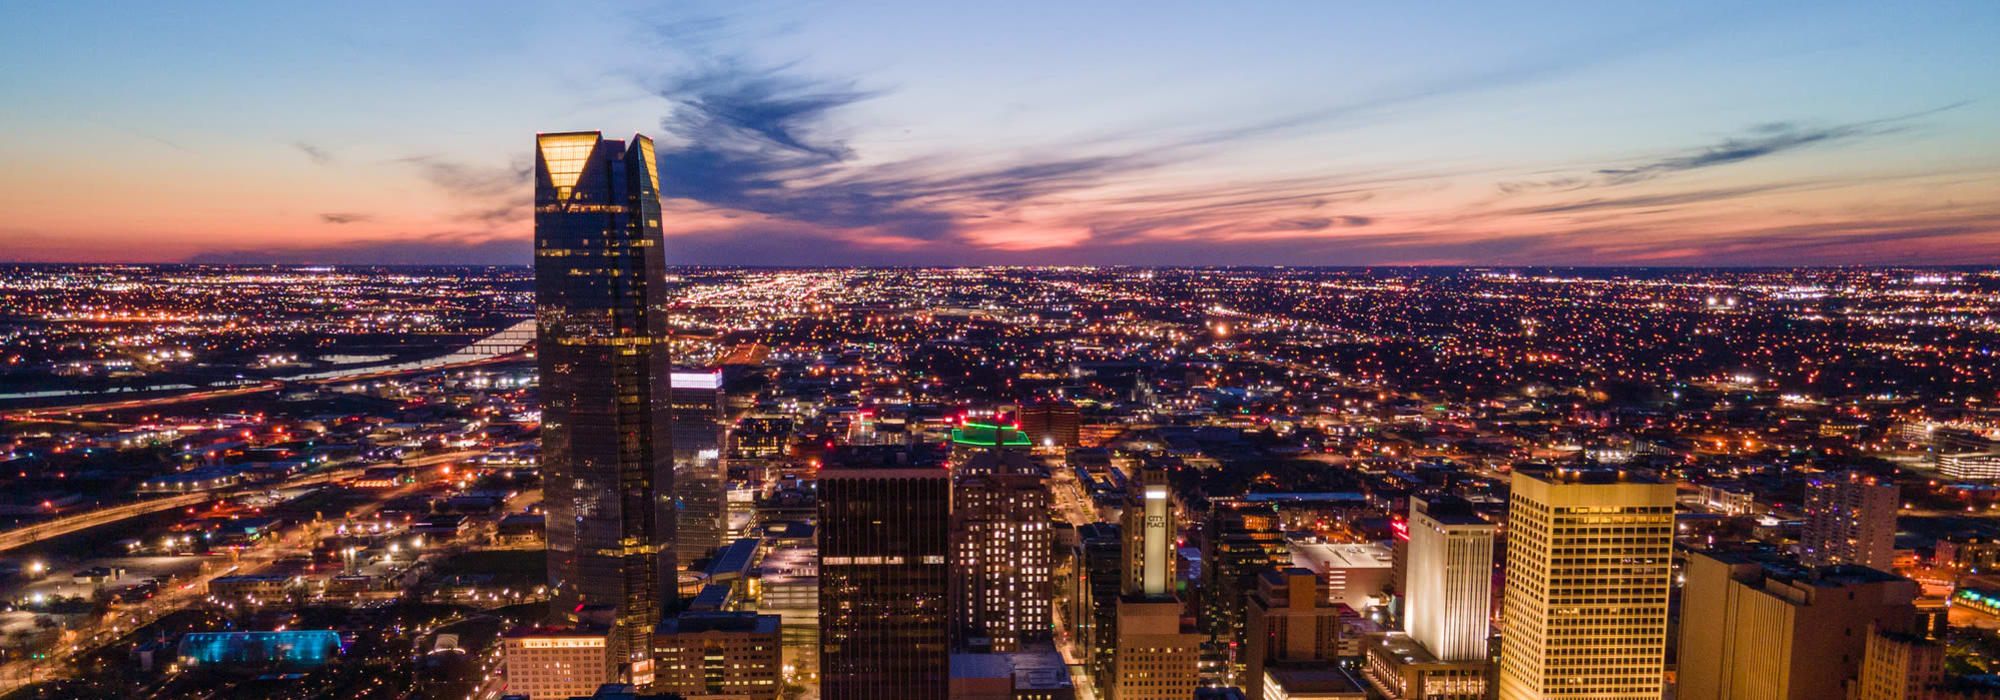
(768, 141)
(319, 156)
(343, 218)
(1762, 140)
(462, 180)
(1759, 141)
(1655, 200)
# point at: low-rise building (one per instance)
(733, 655)
(1401, 669)
(556, 664)
(264, 587)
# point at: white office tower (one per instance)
(1450, 595)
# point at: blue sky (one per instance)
(963, 133)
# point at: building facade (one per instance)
(1448, 604)
(1900, 666)
(1052, 424)
(1290, 622)
(1399, 668)
(1093, 614)
(884, 583)
(1003, 586)
(602, 343)
(1755, 626)
(1850, 519)
(1241, 541)
(1157, 656)
(1157, 652)
(1589, 561)
(720, 656)
(555, 664)
(701, 479)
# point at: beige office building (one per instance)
(556, 664)
(1399, 668)
(1589, 557)
(1289, 621)
(1901, 667)
(1755, 626)
(1157, 655)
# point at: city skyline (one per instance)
(1700, 134)
(1032, 351)
(1068, 483)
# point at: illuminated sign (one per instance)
(695, 380)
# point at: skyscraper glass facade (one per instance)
(601, 340)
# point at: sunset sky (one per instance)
(798, 133)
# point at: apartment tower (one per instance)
(1850, 519)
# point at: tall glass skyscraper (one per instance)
(607, 456)
(701, 480)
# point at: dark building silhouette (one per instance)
(1052, 424)
(1093, 614)
(601, 342)
(884, 583)
(1241, 541)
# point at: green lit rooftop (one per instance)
(988, 435)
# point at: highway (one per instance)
(27, 414)
(126, 404)
(67, 524)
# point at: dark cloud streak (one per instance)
(318, 155)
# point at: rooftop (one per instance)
(988, 435)
(1581, 475)
(704, 621)
(1313, 679)
(1321, 556)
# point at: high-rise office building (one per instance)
(1589, 558)
(1449, 602)
(1094, 616)
(1850, 519)
(602, 343)
(701, 479)
(1757, 626)
(1158, 652)
(1003, 588)
(1150, 531)
(884, 582)
(1290, 623)
(1240, 541)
